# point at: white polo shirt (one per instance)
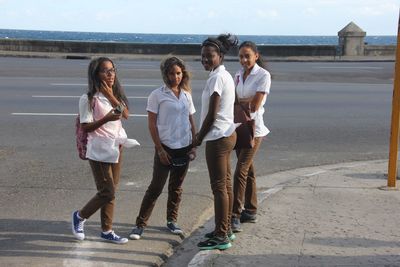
(173, 113)
(259, 80)
(221, 82)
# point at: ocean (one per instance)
(181, 38)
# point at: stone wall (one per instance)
(176, 49)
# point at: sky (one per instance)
(241, 17)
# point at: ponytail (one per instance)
(223, 43)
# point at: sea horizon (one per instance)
(163, 38)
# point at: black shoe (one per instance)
(246, 217)
(231, 235)
(216, 242)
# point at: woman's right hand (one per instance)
(111, 116)
(165, 158)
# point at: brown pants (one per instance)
(218, 154)
(244, 181)
(160, 175)
(106, 177)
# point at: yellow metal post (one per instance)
(394, 132)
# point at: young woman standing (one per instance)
(101, 110)
(170, 117)
(218, 131)
(253, 84)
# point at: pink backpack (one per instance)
(81, 136)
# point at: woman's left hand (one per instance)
(106, 90)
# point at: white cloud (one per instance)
(379, 10)
(311, 11)
(211, 14)
(270, 14)
(104, 16)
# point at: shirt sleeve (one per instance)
(85, 113)
(152, 103)
(236, 78)
(192, 110)
(215, 84)
(264, 84)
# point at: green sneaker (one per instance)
(216, 242)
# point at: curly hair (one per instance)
(166, 66)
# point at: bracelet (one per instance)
(160, 152)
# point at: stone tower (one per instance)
(351, 40)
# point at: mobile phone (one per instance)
(119, 109)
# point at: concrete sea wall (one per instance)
(176, 49)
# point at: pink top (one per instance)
(104, 142)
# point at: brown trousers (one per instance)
(106, 177)
(218, 157)
(244, 181)
(160, 175)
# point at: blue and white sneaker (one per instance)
(174, 228)
(136, 233)
(113, 238)
(235, 225)
(77, 226)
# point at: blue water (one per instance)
(181, 38)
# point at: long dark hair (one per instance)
(165, 67)
(223, 43)
(94, 81)
(260, 61)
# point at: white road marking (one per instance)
(267, 193)
(84, 84)
(68, 84)
(355, 165)
(355, 67)
(132, 183)
(314, 173)
(61, 114)
(43, 114)
(78, 96)
(200, 258)
(56, 96)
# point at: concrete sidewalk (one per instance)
(336, 215)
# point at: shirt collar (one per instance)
(253, 71)
(216, 70)
(166, 89)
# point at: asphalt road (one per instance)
(318, 113)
